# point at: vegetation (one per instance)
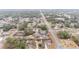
(63, 35)
(23, 26)
(76, 25)
(7, 27)
(67, 24)
(43, 27)
(13, 43)
(75, 39)
(28, 31)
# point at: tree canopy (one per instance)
(13, 43)
(63, 35)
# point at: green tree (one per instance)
(12, 43)
(7, 27)
(43, 27)
(75, 39)
(23, 25)
(63, 35)
(28, 31)
(67, 24)
(76, 25)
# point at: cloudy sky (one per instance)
(39, 4)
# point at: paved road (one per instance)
(52, 32)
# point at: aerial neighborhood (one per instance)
(39, 29)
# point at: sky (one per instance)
(39, 4)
